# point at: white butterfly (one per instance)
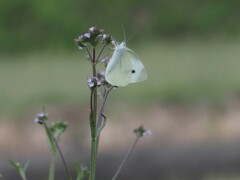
(124, 67)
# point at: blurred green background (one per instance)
(35, 25)
(189, 48)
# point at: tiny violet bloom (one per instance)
(101, 75)
(91, 82)
(105, 60)
(142, 132)
(41, 117)
(87, 35)
(147, 132)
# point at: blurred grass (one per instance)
(186, 71)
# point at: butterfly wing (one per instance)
(138, 71)
(119, 68)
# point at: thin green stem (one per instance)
(100, 53)
(52, 167)
(94, 70)
(23, 177)
(22, 174)
(93, 135)
(101, 113)
(125, 158)
(93, 159)
(104, 102)
(59, 150)
(89, 54)
(93, 120)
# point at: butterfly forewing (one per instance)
(118, 72)
(124, 67)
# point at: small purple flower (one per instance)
(91, 82)
(147, 132)
(87, 35)
(36, 120)
(142, 132)
(98, 81)
(41, 117)
(105, 60)
(101, 74)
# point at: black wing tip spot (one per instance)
(133, 71)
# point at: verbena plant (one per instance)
(99, 92)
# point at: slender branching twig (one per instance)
(59, 150)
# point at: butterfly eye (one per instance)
(133, 71)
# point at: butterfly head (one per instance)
(120, 46)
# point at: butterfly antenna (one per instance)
(124, 34)
(125, 39)
(129, 38)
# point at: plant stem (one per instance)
(22, 174)
(59, 150)
(100, 52)
(125, 158)
(101, 113)
(52, 167)
(89, 54)
(103, 103)
(93, 159)
(93, 120)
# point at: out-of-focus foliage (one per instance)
(186, 72)
(32, 24)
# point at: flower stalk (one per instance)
(125, 158)
(93, 117)
(139, 132)
(53, 133)
(55, 146)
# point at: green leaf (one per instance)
(57, 128)
(102, 124)
(19, 168)
(55, 131)
(81, 170)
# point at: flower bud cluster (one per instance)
(92, 37)
(41, 118)
(57, 128)
(93, 82)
